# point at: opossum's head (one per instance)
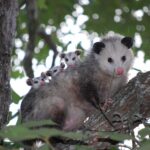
(71, 58)
(55, 70)
(35, 82)
(114, 55)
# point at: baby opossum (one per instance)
(67, 100)
(71, 58)
(37, 82)
(55, 70)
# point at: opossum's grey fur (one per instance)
(68, 98)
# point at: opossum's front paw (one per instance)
(108, 103)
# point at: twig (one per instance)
(32, 14)
(48, 40)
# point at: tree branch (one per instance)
(32, 14)
(48, 40)
(131, 103)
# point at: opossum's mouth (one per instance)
(42, 83)
(72, 65)
(118, 76)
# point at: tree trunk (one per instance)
(8, 12)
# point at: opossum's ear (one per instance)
(77, 52)
(62, 65)
(62, 55)
(127, 41)
(29, 82)
(98, 46)
(43, 75)
(48, 73)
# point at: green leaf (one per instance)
(47, 132)
(31, 130)
(17, 133)
(145, 145)
(41, 56)
(16, 74)
(15, 97)
(44, 147)
(144, 132)
(41, 4)
(115, 136)
(79, 147)
(76, 135)
(33, 124)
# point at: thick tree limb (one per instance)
(8, 12)
(48, 40)
(131, 103)
(32, 14)
(33, 30)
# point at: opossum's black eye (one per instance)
(35, 82)
(110, 60)
(123, 58)
(66, 59)
(55, 71)
(73, 58)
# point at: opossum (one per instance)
(71, 58)
(74, 94)
(55, 70)
(37, 82)
(105, 69)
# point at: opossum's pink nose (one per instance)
(42, 83)
(119, 71)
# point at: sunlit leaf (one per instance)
(80, 147)
(144, 132)
(16, 74)
(145, 145)
(15, 97)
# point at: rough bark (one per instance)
(8, 12)
(131, 102)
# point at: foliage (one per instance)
(125, 17)
(38, 130)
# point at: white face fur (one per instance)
(36, 82)
(115, 58)
(56, 70)
(71, 59)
